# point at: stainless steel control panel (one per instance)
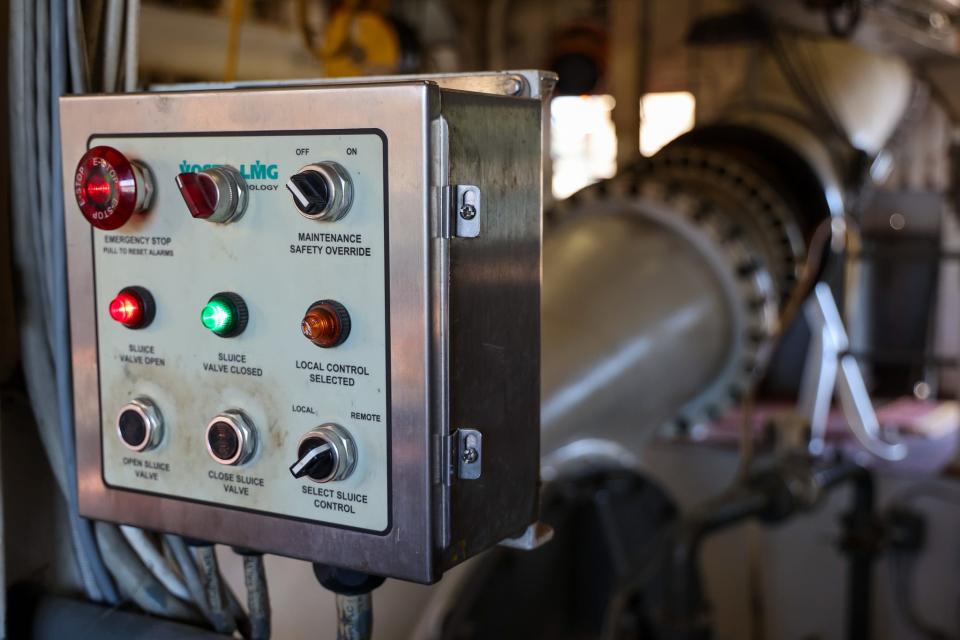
(279, 263)
(306, 320)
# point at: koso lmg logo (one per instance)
(255, 171)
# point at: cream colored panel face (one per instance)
(279, 263)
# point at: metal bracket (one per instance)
(461, 455)
(462, 208)
(830, 371)
(469, 453)
(533, 537)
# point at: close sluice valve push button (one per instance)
(217, 194)
(231, 438)
(140, 425)
(110, 188)
(325, 454)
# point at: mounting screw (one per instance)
(470, 455)
(468, 212)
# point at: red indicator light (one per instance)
(126, 309)
(110, 188)
(133, 307)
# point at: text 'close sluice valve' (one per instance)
(266, 318)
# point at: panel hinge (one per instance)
(461, 211)
(461, 455)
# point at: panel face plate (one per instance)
(280, 263)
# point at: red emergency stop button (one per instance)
(110, 188)
(133, 307)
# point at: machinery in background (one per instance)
(693, 269)
(665, 300)
(359, 40)
(703, 246)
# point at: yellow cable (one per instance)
(233, 39)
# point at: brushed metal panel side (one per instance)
(403, 112)
(494, 325)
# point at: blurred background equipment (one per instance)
(750, 344)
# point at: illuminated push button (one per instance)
(231, 438)
(322, 191)
(110, 188)
(133, 307)
(217, 194)
(225, 314)
(325, 454)
(326, 323)
(140, 425)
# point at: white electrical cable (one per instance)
(136, 582)
(191, 574)
(131, 54)
(152, 558)
(36, 77)
(77, 47)
(89, 557)
(111, 45)
(154, 561)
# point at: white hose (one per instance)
(111, 45)
(154, 561)
(135, 581)
(132, 46)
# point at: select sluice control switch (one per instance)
(293, 325)
(325, 454)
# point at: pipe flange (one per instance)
(753, 292)
(768, 215)
(758, 303)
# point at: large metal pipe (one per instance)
(656, 304)
(636, 320)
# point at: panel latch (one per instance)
(463, 210)
(461, 455)
(469, 453)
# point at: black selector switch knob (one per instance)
(311, 192)
(325, 454)
(322, 191)
(315, 458)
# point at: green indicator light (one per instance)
(217, 316)
(225, 314)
